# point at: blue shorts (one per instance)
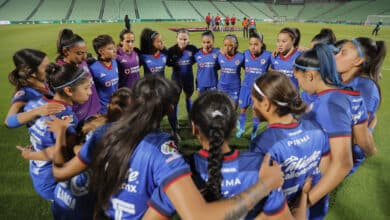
(204, 89)
(233, 94)
(245, 99)
(185, 81)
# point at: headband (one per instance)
(72, 81)
(72, 44)
(258, 90)
(306, 67)
(234, 39)
(153, 35)
(359, 48)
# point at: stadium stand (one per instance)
(249, 10)
(182, 10)
(151, 9)
(17, 10)
(342, 11)
(205, 7)
(83, 10)
(290, 11)
(314, 11)
(117, 9)
(229, 9)
(263, 8)
(52, 10)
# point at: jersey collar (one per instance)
(228, 157)
(349, 92)
(278, 125)
(289, 56)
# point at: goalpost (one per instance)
(279, 19)
(374, 19)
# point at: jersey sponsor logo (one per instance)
(19, 93)
(231, 182)
(291, 190)
(112, 82)
(229, 170)
(66, 198)
(102, 75)
(276, 62)
(222, 61)
(295, 133)
(356, 117)
(132, 181)
(296, 166)
(199, 57)
(298, 141)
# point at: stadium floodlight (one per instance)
(374, 19)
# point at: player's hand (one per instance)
(25, 150)
(50, 109)
(57, 125)
(275, 53)
(270, 173)
(307, 186)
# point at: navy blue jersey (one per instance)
(41, 171)
(72, 199)
(240, 170)
(207, 72)
(337, 111)
(230, 75)
(255, 66)
(128, 67)
(154, 64)
(182, 61)
(154, 163)
(297, 147)
(285, 65)
(106, 81)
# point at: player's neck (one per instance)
(288, 53)
(347, 77)
(321, 86)
(286, 119)
(38, 84)
(66, 100)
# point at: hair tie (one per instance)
(216, 113)
(258, 90)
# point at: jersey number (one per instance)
(122, 206)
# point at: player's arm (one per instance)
(373, 122)
(179, 191)
(15, 119)
(363, 137)
(28, 153)
(339, 166)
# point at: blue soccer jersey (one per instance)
(154, 163)
(239, 170)
(230, 75)
(182, 67)
(106, 81)
(370, 94)
(285, 65)
(86, 152)
(41, 171)
(337, 111)
(72, 199)
(154, 64)
(254, 68)
(207, 72)
(297, 147)
(26, 94)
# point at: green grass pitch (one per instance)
(365, 195)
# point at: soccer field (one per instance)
(364, 195)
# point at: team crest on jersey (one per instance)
(262, 61)
(65, 117)
(201, 65)
(19, 93)
(169, 148)
(189, 53)
(214, 55)
(108, 83)
(237, 62)
(164, 59)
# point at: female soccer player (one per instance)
(105, 69)
(325, 36)
(230, 63)
(359, 63)
(128, 60)
(298, 145)
(133, 163)
(340, 112)
(206, 59)
(152, 56)
(72, 198)
(181, 59)
(218, 170)
(71, 85)
(71, 48)
(29, 79)
(287, 52)
(257, 60)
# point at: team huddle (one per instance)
(97, 150)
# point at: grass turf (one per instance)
(364, 195)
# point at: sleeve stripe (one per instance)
(279, 211)
(173, 180)
(81, 159)
(150, 204)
